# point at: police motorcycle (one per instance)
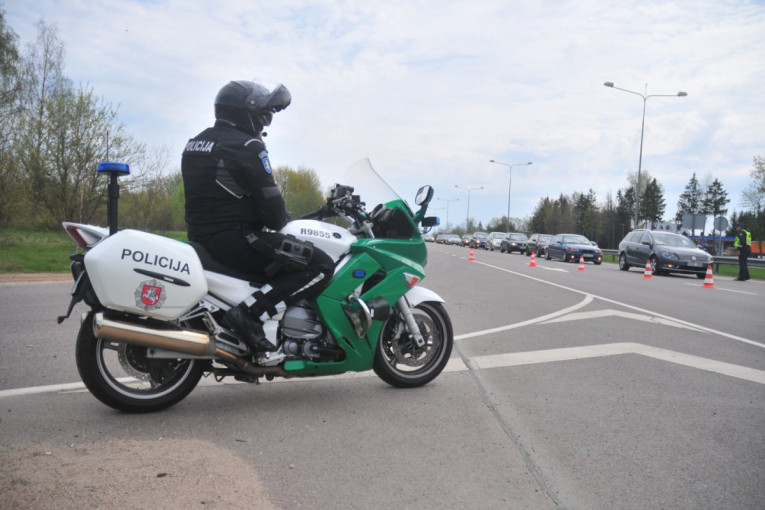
(155, 327)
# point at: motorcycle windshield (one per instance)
(368, 184)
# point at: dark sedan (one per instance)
(538, 244)
(478, 240)
(514, 242)
(667, 252)
(572, 247)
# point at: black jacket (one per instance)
(229, 184)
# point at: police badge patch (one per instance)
(266, 162)
(150, 295)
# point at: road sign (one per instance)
(694, 221)
(721, 223)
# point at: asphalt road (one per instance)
(567, 389)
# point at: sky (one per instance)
(432, 90)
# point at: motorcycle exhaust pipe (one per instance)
(182, 341)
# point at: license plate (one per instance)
(695, 264)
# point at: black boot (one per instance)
(251, 331)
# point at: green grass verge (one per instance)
(24, 251)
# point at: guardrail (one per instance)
(726, 261)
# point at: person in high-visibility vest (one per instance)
(743, 245)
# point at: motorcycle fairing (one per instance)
(370, 256)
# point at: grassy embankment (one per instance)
(26, 251)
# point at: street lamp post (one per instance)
(433, 210)
(645, 97)
(447, 209)
(509, 185)
(468, 189)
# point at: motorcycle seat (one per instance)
(210, 263)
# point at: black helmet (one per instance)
(250, 105)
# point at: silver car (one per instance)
(494, 241)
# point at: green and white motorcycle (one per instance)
(156, 304)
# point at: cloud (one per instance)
(431, 91)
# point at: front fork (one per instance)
(402, 305)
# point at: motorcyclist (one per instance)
(231, 196)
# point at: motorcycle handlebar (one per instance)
(341, 201)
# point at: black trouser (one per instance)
(231, 248)
(743, 267)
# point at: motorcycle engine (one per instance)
(302, 331)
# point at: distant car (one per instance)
(572, 247)
(538, 244)
(465, 241)
(667, 252)
(494, 240)
(453, 239)
(429, 238)
(515, 242)
(441, 239)
(478, 240)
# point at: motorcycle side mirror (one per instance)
(424, 195)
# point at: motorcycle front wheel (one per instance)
(400, 362)
(121, 375)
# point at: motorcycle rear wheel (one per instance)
(399, 362)
(122, 377)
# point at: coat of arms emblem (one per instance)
(150, 295)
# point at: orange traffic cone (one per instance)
(581, 263)
(533, 262)
(472, 256)
(709, 281)
(648, 275)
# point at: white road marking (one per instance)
(631, 307)
(594, 351)
(553, 269)
(599, 314)
(587, 300)
(506, 360)
(729, 290)
(34, 390)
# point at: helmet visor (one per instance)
(268, 96)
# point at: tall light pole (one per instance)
(645, 97)
(468, 189)
(509, 186)
(447, 209)
(433, 210)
